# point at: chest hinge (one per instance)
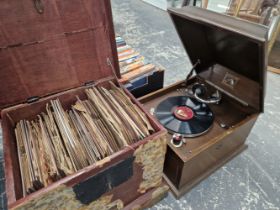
(32, 99)
(89, 83)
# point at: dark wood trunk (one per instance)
(186, 166)
(230, 56)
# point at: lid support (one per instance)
(109, 62)
(192, 71)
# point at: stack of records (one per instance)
(60, 142)
(132, 63)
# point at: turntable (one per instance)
(210, 114)
(184, 115)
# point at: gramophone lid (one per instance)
(215, 38)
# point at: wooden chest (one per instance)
(55, 50)
(229, 55)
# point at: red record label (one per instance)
(185, 116)
(183, 113)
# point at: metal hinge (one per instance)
(32, 99)
(89, 83)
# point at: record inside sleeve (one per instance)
(184, 115)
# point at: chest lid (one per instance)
(231, 51)
(48, 46)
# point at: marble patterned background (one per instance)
(251, 181)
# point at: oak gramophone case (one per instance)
(229, 55)
(57, 49)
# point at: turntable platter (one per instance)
(184, 115)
